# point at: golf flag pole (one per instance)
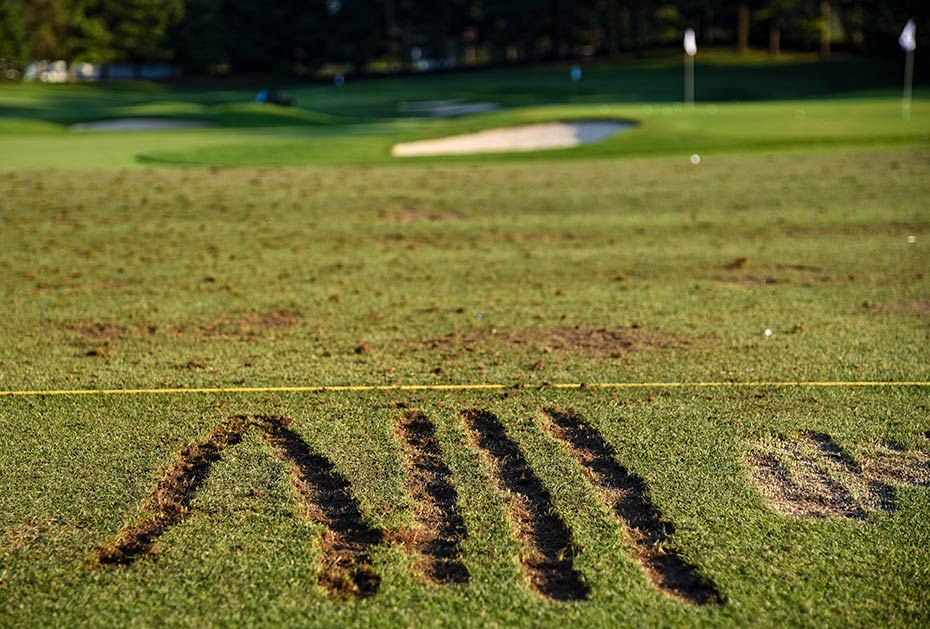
(690, 44)
(908, 41)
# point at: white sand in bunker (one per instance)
(532, 137)
(139, 124)
(446, 108)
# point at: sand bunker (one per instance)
(534, 137)
(446, 108)
(139, 124)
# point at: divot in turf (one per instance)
(550, 561)
(810, 476)
(171, 499)
(327, 497)
(627, 495)
(440, 527)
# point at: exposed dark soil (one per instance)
(811, 476)
(411, 215)
(27, 534)
(327, 497)
(627, 495)
(549, 564)
(440, 529)
(595, 342)
(172, 497)
(898, 466)
(99, 332)
(798, 274)
(478, 239)
(247, 325)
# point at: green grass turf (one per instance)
(295, 276)
(581, 267)
(75, 470)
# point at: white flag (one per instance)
(908, 39)
(690, 42)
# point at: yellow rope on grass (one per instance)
(464, 387)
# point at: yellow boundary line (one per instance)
(462, 387)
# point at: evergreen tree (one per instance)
(47, 28)
(299, 36)
(137, 27)
(12, 32)
(198, 40)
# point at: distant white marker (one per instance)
(768, 331)
(695, 159)
(911, 239)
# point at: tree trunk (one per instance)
(742, 28)
(775, 41)
(825, 29)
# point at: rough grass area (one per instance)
(582, 272)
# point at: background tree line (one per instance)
(300, 36)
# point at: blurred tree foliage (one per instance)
(301, 36)
(12, 31)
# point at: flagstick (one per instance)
(908, 85)
(689, 81)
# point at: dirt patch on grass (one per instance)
(896, 465)
(627, 495)
(440, 528)
(549, 560)
(327, 497)
(171, 499)
(478, 239)
(411, 215)
(27, 534)
(741, 272)
(245, 326)
(811, 476)
(595, 342)
(99, 332)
